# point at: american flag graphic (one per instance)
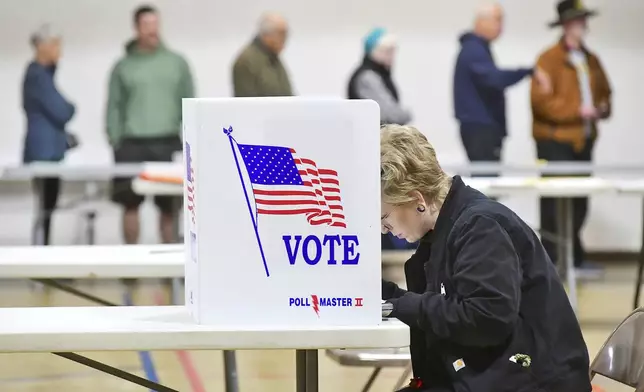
(190, 183)
(286, 184)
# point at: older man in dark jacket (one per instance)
(48, 113)
(258, 70)
(479, 87)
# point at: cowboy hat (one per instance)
(569, 10)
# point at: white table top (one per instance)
(552, 186)
(133, 328)
(491, 186)
(634, 186)
(69, 171)
(97, 261)
(110, 261)
(154, 188)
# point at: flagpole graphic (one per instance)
(284, 183)
(232, 141)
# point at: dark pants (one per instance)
(143, 150)
(556, 151)
(482, 143)
(48, 190)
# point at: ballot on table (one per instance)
(282, 210)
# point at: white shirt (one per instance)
(580, 62)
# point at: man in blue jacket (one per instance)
(479, 98)
(47, 113)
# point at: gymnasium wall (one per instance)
(325, 44)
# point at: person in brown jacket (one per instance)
(565, 117)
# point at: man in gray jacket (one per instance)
(372, 79)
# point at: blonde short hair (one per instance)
(408, 163)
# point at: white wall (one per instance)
(324, 46)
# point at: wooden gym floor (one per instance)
(602, 305)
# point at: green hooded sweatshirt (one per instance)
(145, 92)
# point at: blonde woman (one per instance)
(485, 307)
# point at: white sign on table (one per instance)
(282, 201)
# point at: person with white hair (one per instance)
(479, 87)
(486, 309)
(372, 79)
(47, 113)
(258, 70)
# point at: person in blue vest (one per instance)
(47, 113)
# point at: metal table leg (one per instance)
(372, 379)
(230, 371)
(640, 268)
(312, 384)
(176, 292)
(91, 191)
(566, 211)
(38, 231)
(559, 238)
(300, 370)
(90, 230)
(77, 293)
(306, 362)
(101, 367)
(403, 378)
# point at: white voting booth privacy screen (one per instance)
(282, 199)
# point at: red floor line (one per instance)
(186, 361)
(191, 371)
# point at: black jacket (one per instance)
(482, 289)
(370, 65)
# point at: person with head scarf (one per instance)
(484, 304)
(372, 79)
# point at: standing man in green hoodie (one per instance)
(144, 115)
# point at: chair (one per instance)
(378, 359)
(621, 358)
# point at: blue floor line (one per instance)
(144, 356)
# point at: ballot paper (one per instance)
(387, 307)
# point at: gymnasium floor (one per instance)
(602, 305)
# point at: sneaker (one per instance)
(589, 271)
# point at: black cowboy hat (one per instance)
(569, 10)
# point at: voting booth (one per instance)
(282, 211)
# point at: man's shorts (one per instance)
(143, 150)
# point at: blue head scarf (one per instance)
(372, 39)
